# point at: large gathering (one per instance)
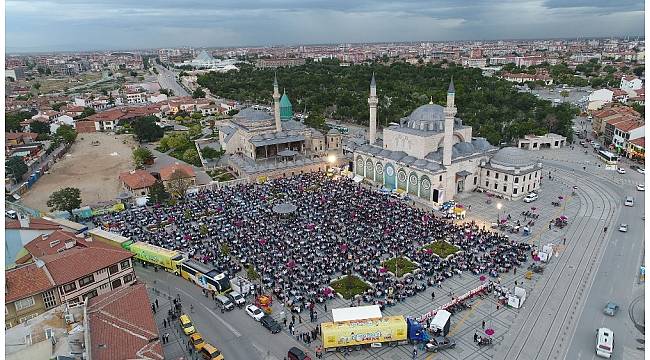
(338, 227)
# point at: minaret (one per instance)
(276, 104)
(372, 102)
(450, 112)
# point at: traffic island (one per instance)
(399, 266)
(349, 286)
(442, 249)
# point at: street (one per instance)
(167, 80)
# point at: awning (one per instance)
(357, 178)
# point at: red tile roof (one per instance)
(639, 142)
(26, 281)
(78, 262)
(137, 179)
(628, 124)
(122, 326)
(50, 244)
(167, 171)
(34, 224)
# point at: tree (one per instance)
(142, 156)
(158, 193)
(225, 249)
(13, 119)
(146, 129)
(16, 167)
(316, 121)
(198, 93)
(252, 273)
(232, 112)
(67, 133)
(66, 199)
(178, 183)
(564, 93)
(197, 115)
(211, 153)
(87, 112)
(195, 131)
(39, 127)
(37, 86)
(191, 156)
(638, 71)
(57, 106)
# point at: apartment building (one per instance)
(29, 292)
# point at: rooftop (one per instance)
(26, 281)
(31, 224)
(167, 171)
(51, 244)
(137, 179)
(77, 262)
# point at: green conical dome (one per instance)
(286, 110)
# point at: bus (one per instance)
(610, 159)
(110, 238)
(169, 260)
(205, 276)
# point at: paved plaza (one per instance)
(564, 303)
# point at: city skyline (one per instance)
(120, 25)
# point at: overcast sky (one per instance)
(34, 25)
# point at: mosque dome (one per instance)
(429, 117)
(512, 157)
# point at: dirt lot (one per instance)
(92, 169)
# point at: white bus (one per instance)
(604, 342)
(610, 159)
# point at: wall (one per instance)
(102, 283)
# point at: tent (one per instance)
(517, 299)
(357, 178)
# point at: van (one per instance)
(225, 302)
(236, 298)
(604, 342)
(629, 201)
(209, 352)
(197, 341)
(12, 214)
(186, 324)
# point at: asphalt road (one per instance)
(167, 80)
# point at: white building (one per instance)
(548, 141)
(629, 82)
(61, 120)
(599, 98)
(511, 172)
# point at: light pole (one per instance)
(499, 206)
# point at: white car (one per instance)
(641, 170)
(640, 187)
(620, 170)
(530, 197)
(254, 312)
(622, 228)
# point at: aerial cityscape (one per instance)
(308, 180)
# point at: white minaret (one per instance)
(450, 112)
(372, 102)
(276, 104)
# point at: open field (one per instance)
(59, 83)
(92, 169)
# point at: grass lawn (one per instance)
(399, 266)
(442, 248)
(349, 286)
(220, 175)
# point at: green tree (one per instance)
(146, 129)
(638, 71)
(158, 193)
(16, 167)
(57, 106)
(195, 131)
(252, 273)
(196, 115)
(141, 156)
(13, 119)
(67, 133)
(225, 249)
(564, 93)
(316, 121)
(211, 153)
(191, 156)
(37, 86)
(39, 127)
(66, 199)
(198, 93)
(87, 112)
(178, 183)
(232, 112)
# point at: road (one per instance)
(167, 80)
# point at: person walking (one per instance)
(433, 295)
(483, 324)
(165, 323)
(153, 308)
(156, 303)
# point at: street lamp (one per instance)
(499, 206)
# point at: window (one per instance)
(90, 294)
(488, 173)
(505, 177)
(125, 264)
(516, 179)
(116, 283)
(475, 179)
(86, 280)
(487, 183)
(24, 303)
(514, 191)
(505, 188)
(496, 175)
(440, 178)
(49, 333)
(113, 269)
(69, 287)
(496, 186)
(128, 278)
(49, 299)
(104, 286)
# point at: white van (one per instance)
(604, 342)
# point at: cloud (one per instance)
(77, 24)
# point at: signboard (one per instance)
(359, 332)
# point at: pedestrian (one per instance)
(515, 282)
(153, 308)
(192, 308)
(475, 336)
(325, 304)
(483, 324)
(285, 322)
(497, 307)
(564, 241)
(514, 271)
(165, 323)
(549, 226)
(299, 318)
(415, 352)
(293, 318)
(156, 303)
(433, 295)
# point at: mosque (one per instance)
(259, 144)
(432, 156)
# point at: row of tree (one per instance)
(491, 105)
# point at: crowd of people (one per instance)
(339, 227)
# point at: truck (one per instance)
(375, 332)
(241, 285)
(170, 260)
(440, 323)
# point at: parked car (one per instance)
(641, 170)
(530, 197)
(620, 171)
(11, 214)
(186, 324)
(270, 323)
(622, 228)
(640, 187)
(440, 343)
(236, 298)
(297, 354)
(629, 201)
(197, 341)
(610, 309)
(254, 312)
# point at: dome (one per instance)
(429, 117)
(286, 110)
(512, 157)
(252, 114)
